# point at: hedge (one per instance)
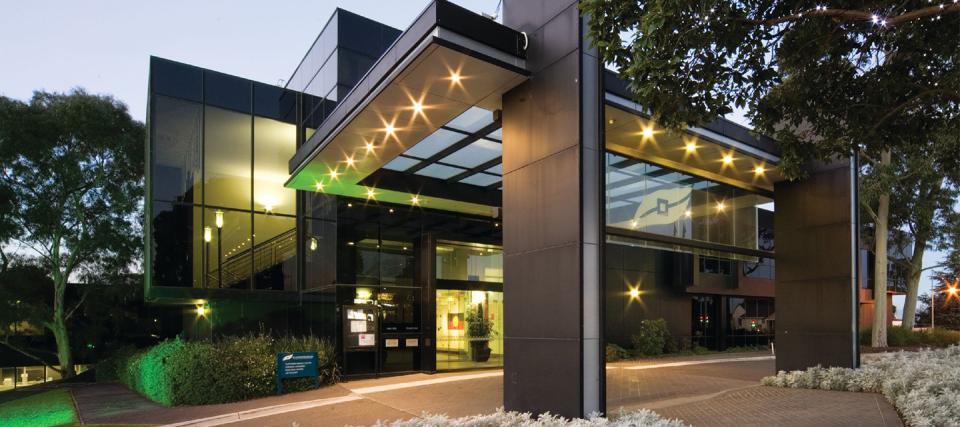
(177, 372)
(898, 336)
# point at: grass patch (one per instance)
(49, 408)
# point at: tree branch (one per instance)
(859, 15)
(6, 341)
(75, 307)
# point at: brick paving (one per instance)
(717, 394)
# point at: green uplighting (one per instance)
(51, 408)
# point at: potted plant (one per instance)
(479, 330)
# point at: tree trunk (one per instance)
(913, 283)
(880, 263)
(64, 355)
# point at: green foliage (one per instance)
(49, 408)
(651, 338)
(477, 324)
(616, 353)
(177, 372)
(902, 337)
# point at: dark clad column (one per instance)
(816, 278)
(551, 161)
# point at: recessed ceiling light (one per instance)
(455, 77)
(369, 147)
(721, 206)
(759, 170)
(333, 173)
(647, 132)
(727, 159)
(688, 213)
(390, 210)
(370, 193)
(415, 200)
(349, 161)
(611, 121)
(417, 107)
(691, 146)
(319, 186)
(389, 129)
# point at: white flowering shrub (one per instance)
(923, 385)
(501, 418)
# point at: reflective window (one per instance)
(226, 91)
(475, 154)
(751, 322)
(439, 171)
(653, 199)
(472, 120)
(175, 146)
(275, 252)
(174, 79)
(496, 170)
(172, 243)
(274, 144)
(227, 163)
(472, 262)
(225, 248)
(319, 253)
(274, 102)
(434, 143)
(401, 163)
(481, 179)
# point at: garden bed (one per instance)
(642, 418)
(924, 385)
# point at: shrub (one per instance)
(651, 338)
(615, 353)
(922, 385)
(641, 418)
(177, 372)
(901, 337)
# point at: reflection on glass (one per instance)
(472, 262)
(648, 198)
(227, 254)
(751, 322)
(227, 167)
(456, 349)
(176, 150)
(172, 234)
(274, 143)
(275, 252)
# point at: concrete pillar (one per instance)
(817, 232)
(552, 161)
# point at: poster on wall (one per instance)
(357, 326)
(455, 321)
(367, 340)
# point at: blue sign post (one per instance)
(297, 365)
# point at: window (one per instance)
(226, 91)
(471, 262)
(227, 167)
(714, 265)
(224, 248)
(274, 145)
(275, 252)
(176, 150)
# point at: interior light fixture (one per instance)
(350, 161)
(268, 208)
(333, 173)
(455, 77)
(647, 132)
(313, 243)
(369, 147)
(201, 311)
(611, 121)
(721, 206)
(417, 107)
(371, 194)
(728, 159)
(390, 129)
(207, 234)
(415, 200)
(759, 170)
(390, 210)
(319, 186)
(634, 293)
(218, 215)
(688, 213)
(691, 146)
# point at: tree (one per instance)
(73, 166)
(870, 78)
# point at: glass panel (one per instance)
(226, 91)
(497, 170)
(652, 199)
(352, 66)
(457, 311)
(274, 143)
(274, 102)
(472, 120)
(175, 79)
(320, 253)
(475, 154)
(227, 167)
(275, 252)
(751, 322)
(176, 150)
(497, 134)
(434, 143)
(226, 248)
(469, 261)
(172, 239)
(399, 309)
(439, 171)
(400, 163)
(481, 179)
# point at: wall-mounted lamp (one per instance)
(218, 216)
(313, 243)
(207, 234)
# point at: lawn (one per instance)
(49, 408)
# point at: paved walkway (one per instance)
(703, 391)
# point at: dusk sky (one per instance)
(105, 46)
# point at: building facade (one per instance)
(468, 193)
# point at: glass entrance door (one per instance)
(469, 329)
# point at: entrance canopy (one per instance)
(422, 127)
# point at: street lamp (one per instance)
(219, 221)
(951, 291)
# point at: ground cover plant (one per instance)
(903, 337)
(230, 369)
(49, 408)
(922, 385)
(642, 418)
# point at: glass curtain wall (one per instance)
(219, 146)
(469, 329)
